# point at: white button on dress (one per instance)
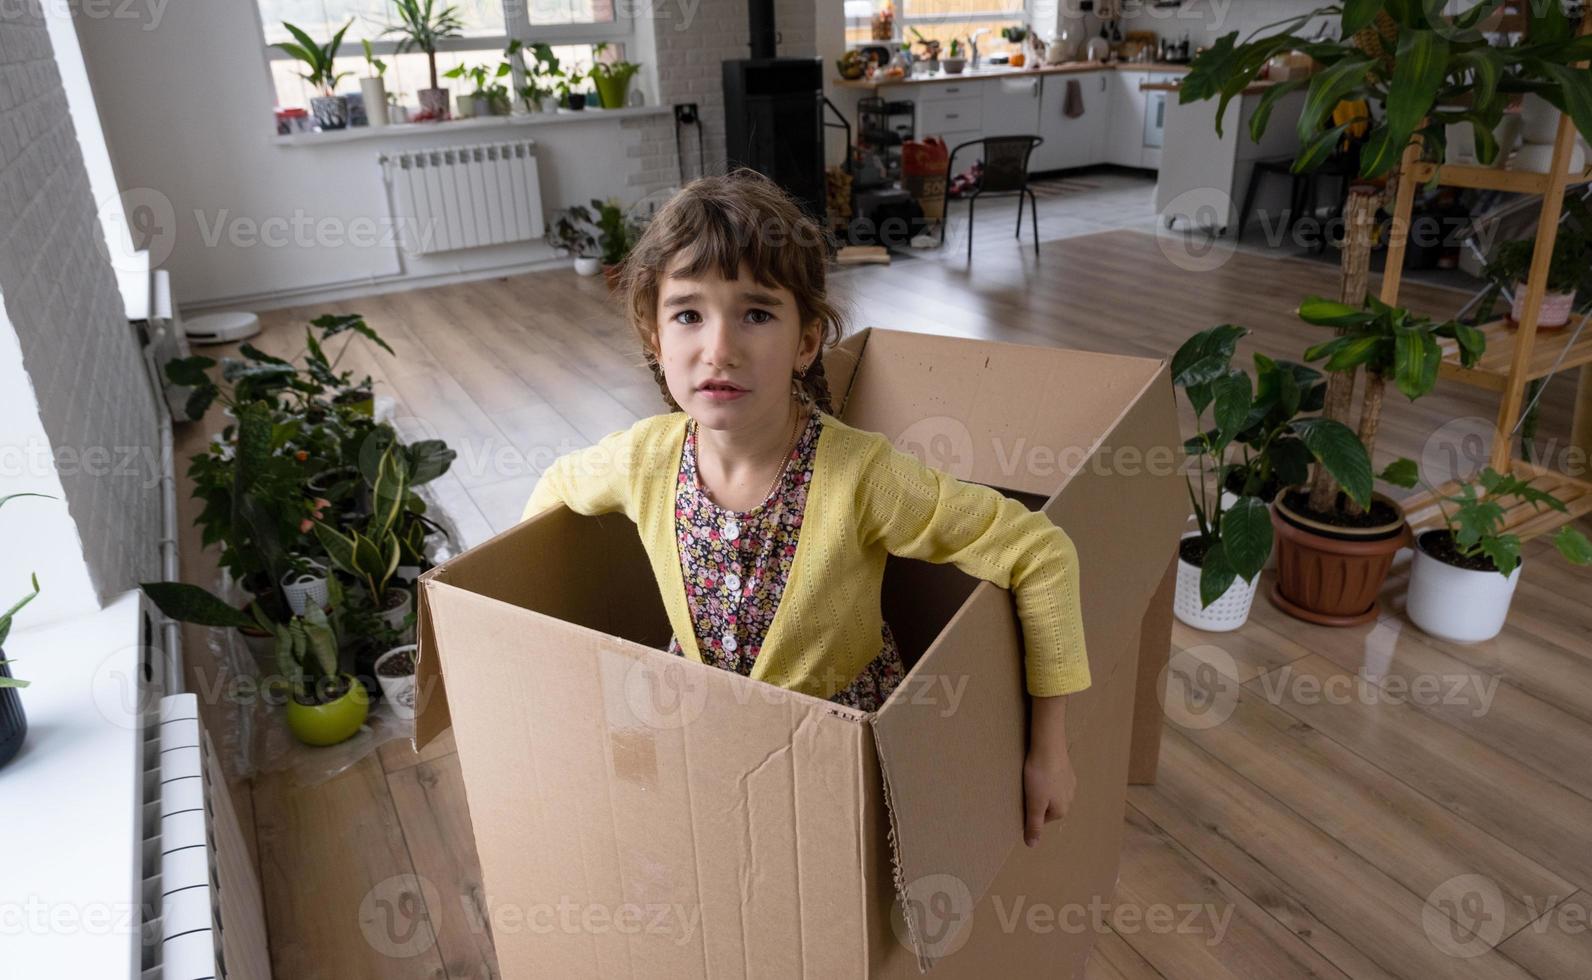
(732, 530)
(729, 642)
(732, 581)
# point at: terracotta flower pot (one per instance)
(1332, 575)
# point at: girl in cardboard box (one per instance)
(769, 504)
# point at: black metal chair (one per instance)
(1005, 173)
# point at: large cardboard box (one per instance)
(641, 815)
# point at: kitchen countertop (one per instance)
(1253, 88)
(1003, 71)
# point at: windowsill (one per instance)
(402, 130)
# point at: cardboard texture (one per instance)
(642, 815)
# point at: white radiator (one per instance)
(464, 196)
(197, 871)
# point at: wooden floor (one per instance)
(1372, 803)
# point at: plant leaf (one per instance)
(1216, 575)
(191, 604)
(1246, 537)
(1402, 472)
(1337, 448)
(1573, 545)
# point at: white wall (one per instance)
(239, 218)
(77, 418)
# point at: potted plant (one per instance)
(1464, 574)
(1337, 539)
(395, 671)
(570, 233)
(13, 722)
(488, 97)
(1569, 271)
(1423, 69)
(955, 63)
(372, 556)
(330, 109)
(930, 59)
(305, 583)
(1016, 35)
(422, 26)
(617, 234)
(326, 706)
(612, 79)
(374, 87)
(539, 91)
(1256, 437)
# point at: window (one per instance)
(572, 27)
(942, 20)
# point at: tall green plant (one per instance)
(423, 28)
(1424, 70)
(1255, 433)
(1388, 343)
(320, 58)
(372, 556)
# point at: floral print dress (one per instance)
(735, 565)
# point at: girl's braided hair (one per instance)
(717, 223)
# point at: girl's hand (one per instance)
(1048, 779)
(1048, 787)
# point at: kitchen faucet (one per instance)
(972, 43)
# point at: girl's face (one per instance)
(728, 348)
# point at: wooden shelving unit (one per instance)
(1513, 359)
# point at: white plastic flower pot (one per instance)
(306, 589)
(375, 92)
(397, 691)
(1539, 120)
(1458, 604)
(587, 265)
(1227, 613)
(1554, 312)
(394, 618)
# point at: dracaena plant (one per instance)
(1423, 68)
(16, 607)
(423, 26)
(321, 59)
(1256, 435)
(1475, 514)
(1388, 343)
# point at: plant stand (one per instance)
(1513, 359)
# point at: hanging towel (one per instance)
(1072, 106)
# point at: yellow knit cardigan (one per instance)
(867, 500)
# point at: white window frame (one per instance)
(904, 21)
(516, 24)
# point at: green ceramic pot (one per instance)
(613, 90)
(336, 721)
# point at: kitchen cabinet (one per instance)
(1011, 106)
(1073, 142)
(1120, 124)
(1125, 130)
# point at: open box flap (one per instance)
(952, 767)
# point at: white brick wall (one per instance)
(60, 297)
(690, 50)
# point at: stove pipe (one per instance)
(760, 18)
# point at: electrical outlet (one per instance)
(685, 112)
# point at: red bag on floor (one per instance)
(923, 164)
